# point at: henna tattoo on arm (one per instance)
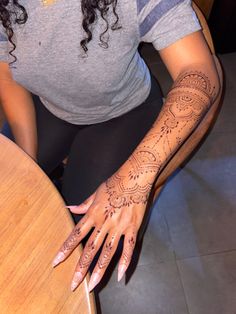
(189, 99)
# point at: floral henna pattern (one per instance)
(72, 241)
(195, 80)
(128, 251)
(120, 195)
(87, 256)
(89, 252)
(106, 257)
(187, 102)
(109, 212)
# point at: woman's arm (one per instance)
(196, 86)
(19, 110)
(118, 206)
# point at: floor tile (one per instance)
(218, 145)
(199, 204)
(156, 246)
(210, 283)
(152, 289)
(225, 122)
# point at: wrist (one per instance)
(141, 166)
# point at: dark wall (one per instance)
(222, 23)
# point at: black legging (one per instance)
(95, 151)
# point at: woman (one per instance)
(73, 84)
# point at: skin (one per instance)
(17, 102)
(118, 205)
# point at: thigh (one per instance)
(55, 137)
(99, 150)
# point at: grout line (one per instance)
(205, 255)
(182, 285)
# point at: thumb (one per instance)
(83, 207)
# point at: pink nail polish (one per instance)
(72, 207)
(58, 259)
(76, 280)
(94, 280)
(121, 271)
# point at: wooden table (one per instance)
(33, 225)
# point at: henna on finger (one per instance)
(90, 250)
(88, 254)
(106, 255)
(128, 249)
(72, 241)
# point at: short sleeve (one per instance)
(3, 45)
(163, 22)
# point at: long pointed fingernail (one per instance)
(76, 280)
(94, 280)
(58, 259)
(121, 271)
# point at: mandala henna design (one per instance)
(187, 102)
(142, 162)
(194, 80)
(120, 195)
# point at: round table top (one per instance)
(33, 225)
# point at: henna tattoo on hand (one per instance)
(109, 212)
(72, 241)
(89, 252)
(106, 257)
(187, 102)
(128, 251)
(120, 195)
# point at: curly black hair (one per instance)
(13, 12)
(89, 10)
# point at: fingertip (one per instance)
(71, 207)
(58, 259)
(78, 209)
(121, 271)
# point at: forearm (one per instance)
(193, 92)
(19, 110)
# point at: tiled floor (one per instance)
(188, 259)
(187, 264)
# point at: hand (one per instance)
(115, 209)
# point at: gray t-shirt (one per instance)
(107, 82)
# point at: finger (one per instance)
(77, 234)
(106, 255)
(128, 249)
(82, 208)
(91, 248)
